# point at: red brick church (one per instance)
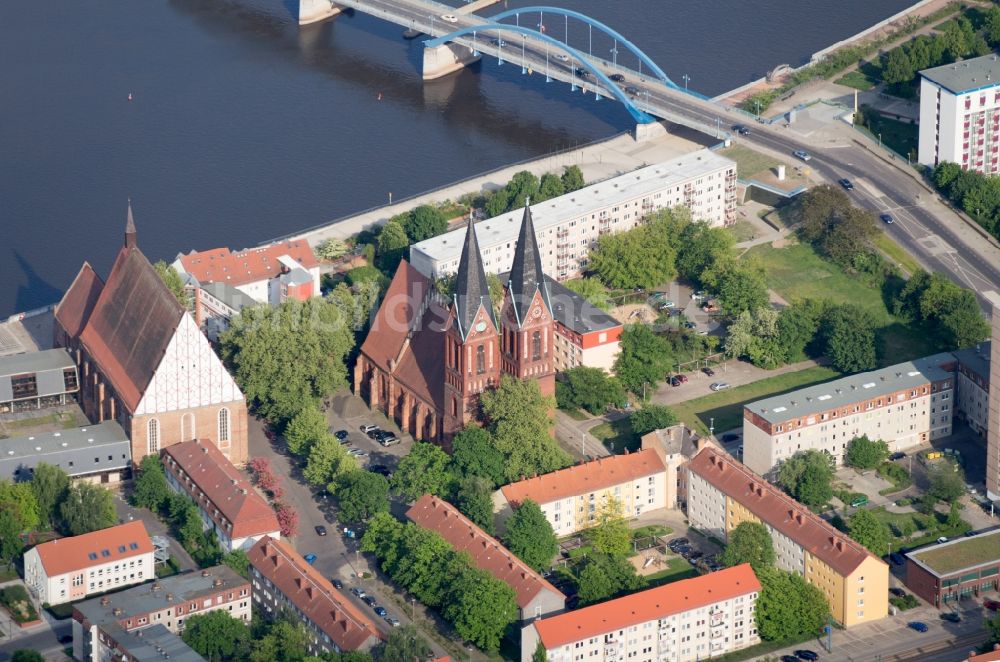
(426, 361)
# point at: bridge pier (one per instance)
(313, 11)
(649, 131)
(447, 58)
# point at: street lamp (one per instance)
(390, 197)
(711, 425)
(614, 56)
(758, 108)
(880, 141)
(583, 449)
(686, 79)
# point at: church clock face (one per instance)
(537, 312)
(481, 327)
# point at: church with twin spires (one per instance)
(426, 360)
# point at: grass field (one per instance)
(857, 80)
(748, 162)
(900, 136)
(742, 231)
(676, 570)
(896, 253)
(617, 435)
(726, 407)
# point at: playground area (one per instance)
(651, 555)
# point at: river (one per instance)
(242, 126)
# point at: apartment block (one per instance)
(905, 405)
(724, 493)
(226, 500)
(282, 580)
(101, 625)
(960, 114)
(972, 385)
(536, 597)
(584, 334)
(993, 417)
(68, 569)
(574, 498)
(691, 619)
(568, 226)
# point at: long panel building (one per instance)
(722, 493)
(568, 226)
(905, 405)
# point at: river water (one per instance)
(242, 126)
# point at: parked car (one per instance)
(698, 296)
(389, 440)
(337, 584)
(887, 219)
(919, 626)
(898, 455)
(806, 654)
(320, 530)
(942, 539)
(719, 386)
(357, 452)
(618, 78)
(360, 592)
(374, 433)
(340, 434)
(992, 605)
(381, 611)
(689, 325)
(846, 183)
(898, 592)
(789, 658)
(951, 617)
(370, 601)
(392, 620)
(368, 427)
(310, 558)
(731, 436)
(801, 154)
(897, 558)
(708, 371)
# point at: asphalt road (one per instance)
(45, 640)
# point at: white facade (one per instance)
(175, 386)
(569, 354)
(960, 115)
(582, 511)
(569, 226)
(77, 584)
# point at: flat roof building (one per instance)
(536, 597)
(165, 602)
(101, 453)
(683, 621)
(574, 498)
(228, 503)
(569, 225)
(905, 405)
(153, 643)
(722, 493)
(960, 114)
(960, 568)
(37, 379)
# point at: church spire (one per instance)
(526, 276)
(129, 227)
(471, 288)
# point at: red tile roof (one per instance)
(74, 309)
(583, 478)
(223, 487)
(96, 548)
(992, 656)
(397, 316)
(314, 596)
(780, 511)
(666, 600)
(486, 551)
(248, 266)
(131, 325)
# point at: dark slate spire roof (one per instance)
(471, 287)
(526, 275)
(130, 227)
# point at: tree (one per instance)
(742, 287)
(588, 388)
(19, 498)
(644, 358)
(424, 470)
(652, 417)
(993, 628)
(947, 482)
(849, 331)
(288, 519)
(637, 258)
(425, 221)
(473, 454)
(49, 484)
(864, 527)
(749, 542)
(87, 508)
(481, 607)
(10, 536)
(993, 25)
(550, 186)
(392, 244)
(239, 563)
(475, 499)
(404, 644)
(330, 249)
(306, 428)
(591, 290)
(702, 247)
(611, 536)
(788, 606)
(286, 640)
(756, 337)
(594, 584)
(327, 460)
(604, 576)
(518, 420)
(26, 655)
(797, 327)
(572, 179)
(150, 489)
(807, 476)
(954, 516)
(216, 635)
(864, 453)
(898, 67)
(530, 536)
(286, 357)
(361, 494)
(540, 654)
(173, 281)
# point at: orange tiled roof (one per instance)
(312, 594)
(220, 265)
(598, 474)
(779, 511)
(666, 600)
(124, 541)
(486, 551)
(224, 486)
(74, 309)
(992, 656)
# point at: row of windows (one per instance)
(153, 430)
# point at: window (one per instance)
(536, 345)
(153, 436)
(223, 424)
(480, 360)
(24, 386)
(69, 379)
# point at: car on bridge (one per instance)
(741, 129)
(449, 18)
(801, 154)
(632, 91)
(618, 78)
(562, 57)
(498, 42)
(583, 73)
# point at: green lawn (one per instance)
(742, 231)
(901, 136)
(931, 526)
(617, 435)
(748, 162)
(676, 570)
(726, 407)
(896, 253)
(857, 80)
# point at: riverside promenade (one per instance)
(597, 161)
